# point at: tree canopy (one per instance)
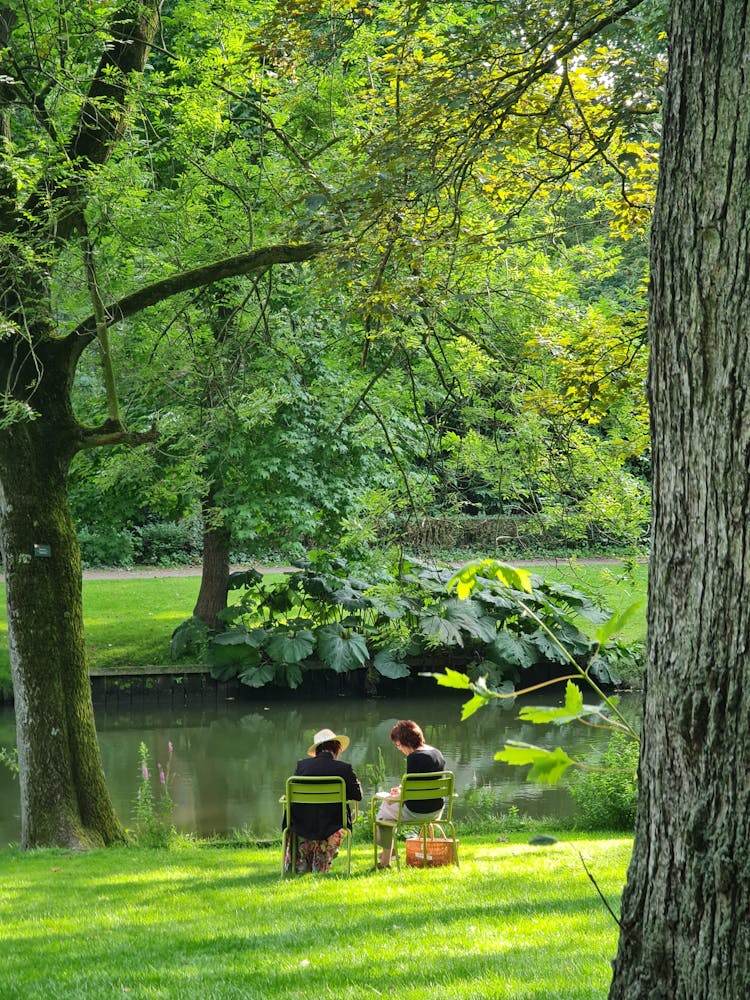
(446, 189)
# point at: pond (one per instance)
(230, 759)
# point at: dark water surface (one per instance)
(231, 759)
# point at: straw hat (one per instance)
(323, 737)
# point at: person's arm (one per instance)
(353, 787)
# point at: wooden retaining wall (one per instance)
(180, 685)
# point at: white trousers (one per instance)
(388, 812)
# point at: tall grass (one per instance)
(514, 922)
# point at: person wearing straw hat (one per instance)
(318, 827)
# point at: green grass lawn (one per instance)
(129, 622)
(615, 585)
(514, 922)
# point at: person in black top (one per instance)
(318, 827)
(421, 758)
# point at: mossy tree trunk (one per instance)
(64, 800)
(685, 932)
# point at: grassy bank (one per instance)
(128, 622)
(515, 922)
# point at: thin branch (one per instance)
(393, 452)
(601, 894)
(102, 332)
(102, 117)
(186, 281)
(362, 398)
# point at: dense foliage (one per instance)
(394, 623)
(471, 343)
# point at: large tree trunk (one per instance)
(212, 596)
(685, 931)
(64, 800)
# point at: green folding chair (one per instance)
(439, 785)
(315, 791)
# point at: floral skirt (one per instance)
(314, 855)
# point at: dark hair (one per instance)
(332, 746)
(408, 734)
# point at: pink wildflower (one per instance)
(170, 747)
(144, 773)
(162, 776)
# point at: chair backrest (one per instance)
(313, 791)
(437, 785)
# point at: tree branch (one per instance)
(185, 281)
(102, 117)
(111, 433)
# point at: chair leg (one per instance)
(290, 846)
(284, 848)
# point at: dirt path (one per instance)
(149, 572)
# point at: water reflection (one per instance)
(230, 760)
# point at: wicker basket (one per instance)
(439, 851)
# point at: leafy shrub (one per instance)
(106, 548)
(393, 623)
(606, 795)
(167, 543)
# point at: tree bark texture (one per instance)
(685, 932)
(64, 800)
(212, 596)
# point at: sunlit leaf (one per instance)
(451, 679)
(465, 581)
(617, 622)
(472, 705)
(547, 766)
(573, 708)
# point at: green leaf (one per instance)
(447, 622)
(351, 599)
(224, 672)
(574, 599)
(573, 708)
(386, 662)
(547, 646)
(221, 657)
(451, 679)
(244, 578)
(280, 599)
(234, 637)
(291, 646)
(188, 637)
(601, 669)
(258, 676)
(341, 649)
(472, 705)
(547, 766)
(617, 622)
(291, 674)
(516, 651)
